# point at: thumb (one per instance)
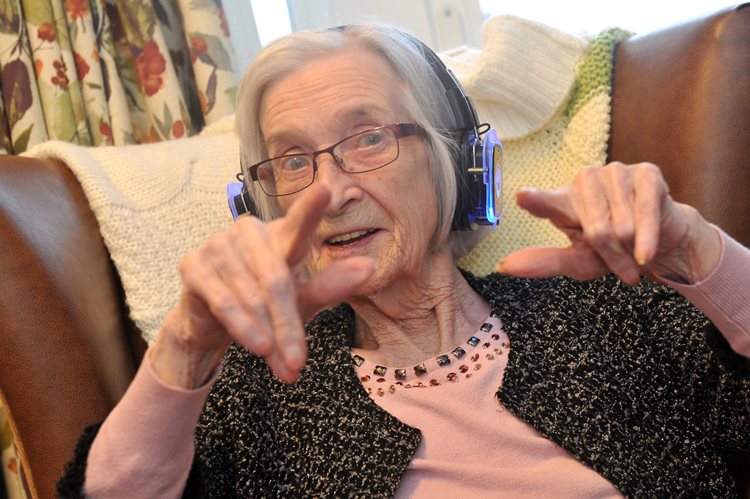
(332, 285)
(577, 263)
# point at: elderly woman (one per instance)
(427, 380)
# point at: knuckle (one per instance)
(188, 263)
(624, 232)
(598, 235)
(248, 225)
(215, 244)
(649, 171)
(616, 168)
(616, 164)
(648, 167)
(278, 283)
(223, 304)
(587, 172)
(256, 304)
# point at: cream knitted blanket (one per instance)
(549, 96)
(546, 92)
(154, 203)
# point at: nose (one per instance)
(344, 187)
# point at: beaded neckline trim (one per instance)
(447, 367)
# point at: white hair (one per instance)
(423, 99)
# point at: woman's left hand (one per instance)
(620, 219)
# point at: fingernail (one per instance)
(640, 259)
(499, 266)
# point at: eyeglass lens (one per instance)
(362, 152)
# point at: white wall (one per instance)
(442, 24)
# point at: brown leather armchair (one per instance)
(681, 100)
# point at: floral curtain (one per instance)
(99, 72)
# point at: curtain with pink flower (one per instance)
(100, 72)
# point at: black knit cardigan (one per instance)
(633, 381)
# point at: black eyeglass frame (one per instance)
(400, 130)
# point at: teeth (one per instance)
(347, 237)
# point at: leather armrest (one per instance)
(68, 350)
(681, 100)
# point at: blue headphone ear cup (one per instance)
(239, 200)
(492, 164)
(479, 181)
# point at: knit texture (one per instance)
(632, 381)
(550, 154)
(156, 202)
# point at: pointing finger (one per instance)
(295, 228)
(649, 199)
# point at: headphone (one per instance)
(477, 161)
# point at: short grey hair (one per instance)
(424, 101)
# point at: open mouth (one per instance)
(350, 238)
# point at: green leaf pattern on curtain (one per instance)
(158, 80)
(124, 67)
(80, 26)
(212, 56)
(21, 103)
(58, 84)
(101, 72)
(170, 19)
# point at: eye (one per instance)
(370, 139)
(291, 163)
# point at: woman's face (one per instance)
(387, 214)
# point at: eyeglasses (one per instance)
(359, 153)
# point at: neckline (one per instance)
(458, 357)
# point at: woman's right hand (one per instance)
(243, 285)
